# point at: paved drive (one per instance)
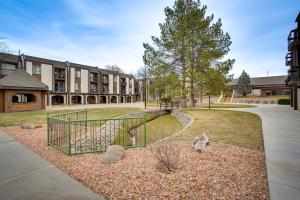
(26, 176)
(281, 130)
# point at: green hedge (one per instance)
(283, 101)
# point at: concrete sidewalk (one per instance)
(26, 176)
(281, 131)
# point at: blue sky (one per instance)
(105, 32)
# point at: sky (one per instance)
(106, 32)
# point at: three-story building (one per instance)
(70, 83)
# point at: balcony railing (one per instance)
(93, 79)
(104, 81)
(123, 92)
(293, 37)
(61, 76)
(123, 83)
(93, 90)
(289, 59)
(104, 91)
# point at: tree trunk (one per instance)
(183, 96)
(192, 94)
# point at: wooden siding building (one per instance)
(19, 91)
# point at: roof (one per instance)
(298, 18)
(261, 81)
(9, 57)
(20, 79)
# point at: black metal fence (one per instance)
(73, 133)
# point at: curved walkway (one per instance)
(24, 175)
(281, 131)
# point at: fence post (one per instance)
(69, 136)
(145, 130)
(85, 120)
(48, 130)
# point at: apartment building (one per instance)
(292, 60)
(66, 83)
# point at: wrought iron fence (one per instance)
(73, 133)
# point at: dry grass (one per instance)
(39, 117)
(233, 127)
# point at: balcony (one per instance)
(289, 59)
(123, 92)
(123, 83)
(93, 79)
(104, 81)
(293, 39)
(93, 90)
(59, 76)
(104, 91)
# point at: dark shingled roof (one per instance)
(260, 81)
(20, 79)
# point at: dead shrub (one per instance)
(167, 153)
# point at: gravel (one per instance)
(222, 172)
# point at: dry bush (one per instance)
(166, 149)
(167, 153)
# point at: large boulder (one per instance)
(28, 126)
(200, 143)
(113, 154)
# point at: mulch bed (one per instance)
(222, 172)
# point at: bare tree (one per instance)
(114, 68)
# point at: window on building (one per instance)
(23, 98)
(77, 86)
(77, 74)
(36, 69)
(59, 87)
(115, 78)
(93, 77)
(7, 68)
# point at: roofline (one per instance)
(298, 18)
(22, 88)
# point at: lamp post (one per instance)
(145, 87)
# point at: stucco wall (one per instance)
(46, 75)
(84, 85)
(127, 85)
(118, 84)
(111, 83)
(256, 92)
(29, 67)
(72, 80)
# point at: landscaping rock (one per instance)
(200, 143)
(113, 154)
(28, 126)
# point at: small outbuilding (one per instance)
(19, 91)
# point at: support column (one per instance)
(295, 97)
(292, 98)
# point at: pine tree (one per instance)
(243, 84)
(190, 43)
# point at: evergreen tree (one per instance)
(190, 43)
(243, 84)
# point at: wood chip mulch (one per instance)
(222, 172)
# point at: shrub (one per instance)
(167, 153)
(272, 102)
(257, 101)
(265, 102)
(283, 101)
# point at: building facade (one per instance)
(292, 60)
(264, 86)
(71, 83)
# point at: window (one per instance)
(59, 87)
(77, 86)
(93, 88)
(77, 73)
(23, 98)
(115, 78)
(36, 69)
(93, 77)
(8, 68)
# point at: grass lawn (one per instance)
(228, 106)
(232, 127)
(152, 104)
(39, 117)
(162, 127)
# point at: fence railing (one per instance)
(73, 133)
(169, 105)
